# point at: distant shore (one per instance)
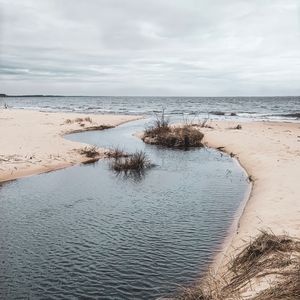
(32, 142)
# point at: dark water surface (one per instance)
(257, 108)
(86, 233)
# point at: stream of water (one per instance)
(86, 232)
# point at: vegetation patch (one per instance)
(162, 133)
(184, 136)
(137, 161)
(270, 261)
(174, 137)
(204, 124)
(88, 119)
(79, 120)
(90, 151)
(116, 153)
(91, 128)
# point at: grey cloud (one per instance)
(134, 47)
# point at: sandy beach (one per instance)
(270, 154)
(196, 195)
(32, 142)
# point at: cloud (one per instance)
(166, 47)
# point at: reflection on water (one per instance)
(85, 233)
(135, 175)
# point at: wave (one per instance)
(223, 113)
(295, 115)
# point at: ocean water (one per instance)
(86, 232)
(259, 108)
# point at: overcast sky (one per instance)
(150, 47)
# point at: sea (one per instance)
(248, 108)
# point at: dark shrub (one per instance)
(174, 137)
(90, 152)
(137, 161)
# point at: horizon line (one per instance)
(3, 95)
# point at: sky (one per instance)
(150, 47)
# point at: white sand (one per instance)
(32, 142)
(270, 153)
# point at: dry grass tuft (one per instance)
(88, 119)
(199, 292)
(270, 260)
(195, 294)
(267, 255)
(174, 137)
(265, 244)
(137, 161)
(287, 289)
(90, 152)
(161, 125)
(162, 133)
(116, 153)
(204, 124)
(79, 120)
(91, 128)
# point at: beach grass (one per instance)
(163, 134)
(137, 161)
(185, 136)
(90, 151)
(116, 153)
(269, 261)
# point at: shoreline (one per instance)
(33, 142)
(220, 252)
(271, 200)
(266, 151)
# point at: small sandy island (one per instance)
(32, 142)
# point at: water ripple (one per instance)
(82, 233)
